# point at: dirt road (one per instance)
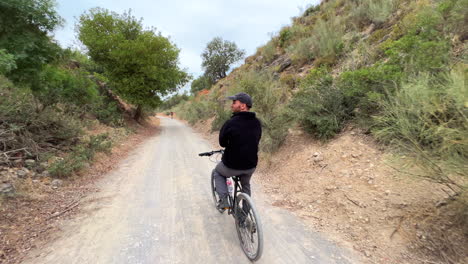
(157, 208)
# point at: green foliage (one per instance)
(362, 89)
(422, 33)
(325, 42)
(196, 110)
(56, 85)
(141, 65)
(328, 37)
(199, 84)
(454, 13)
(7, 62)
(364, 12)
(284, 36)
(269, 50)
(221, 116)
(80, 156)
(378, 11)
(218, 57)
(427, 120)
(174, 100)
(107, 112)
(302, 51)
(311, 10)
(25, 127)
(24, 29)
(319, 105)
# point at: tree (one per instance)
(141, 64)
(218, 56)
(24, 33)
(201, 83)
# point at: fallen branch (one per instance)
(354, 202)
(70, 207)
(397, 228)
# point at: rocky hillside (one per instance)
(393, 74)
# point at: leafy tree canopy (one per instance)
(24, 29)
(218, 57)
(141, 64)
(201, 83)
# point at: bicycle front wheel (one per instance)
(249, 227)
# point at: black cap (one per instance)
(243, 98)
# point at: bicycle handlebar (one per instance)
(211, 153)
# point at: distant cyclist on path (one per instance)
(240, 137)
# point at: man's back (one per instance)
(240, 136)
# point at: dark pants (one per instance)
(221, 172)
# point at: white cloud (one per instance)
(192, 24)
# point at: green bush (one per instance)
(454, 13)
(25, 127)
(221, 116)
(423, 47)
(364, 12)
(302, 51)
(362, 89)
(59, 85)
(319, 105)
(7, 61)
(378, 11)
(427, 120)
(196, 110)
(269, 51)
(80, 156)
(107, 112)
(328, 37)
(284, 36)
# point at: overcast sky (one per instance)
(192, 24)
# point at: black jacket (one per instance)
(240, 136)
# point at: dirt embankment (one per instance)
(348, 190)
(34, 213)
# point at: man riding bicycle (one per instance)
(240, 137)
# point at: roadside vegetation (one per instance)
(51, 97)
(395, 69)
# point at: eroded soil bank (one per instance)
(349, 190)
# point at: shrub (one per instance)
(7, 62)
(56, 85)
(27, 131)
(363, 88)
(80, 156)
(328, 38)
(376, 11)
(269, 51)
(302, 51)
(422, 47)
(107, 112)
(426, 120)
(454, 13)
(311, 10)
(319, 105)
(284, 36)
(196, 110)
(221, 116)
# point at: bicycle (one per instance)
(246, 218)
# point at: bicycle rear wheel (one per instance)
(214, 193)
(248, 226)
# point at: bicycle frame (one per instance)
(232, 200)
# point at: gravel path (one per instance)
(157, 208)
